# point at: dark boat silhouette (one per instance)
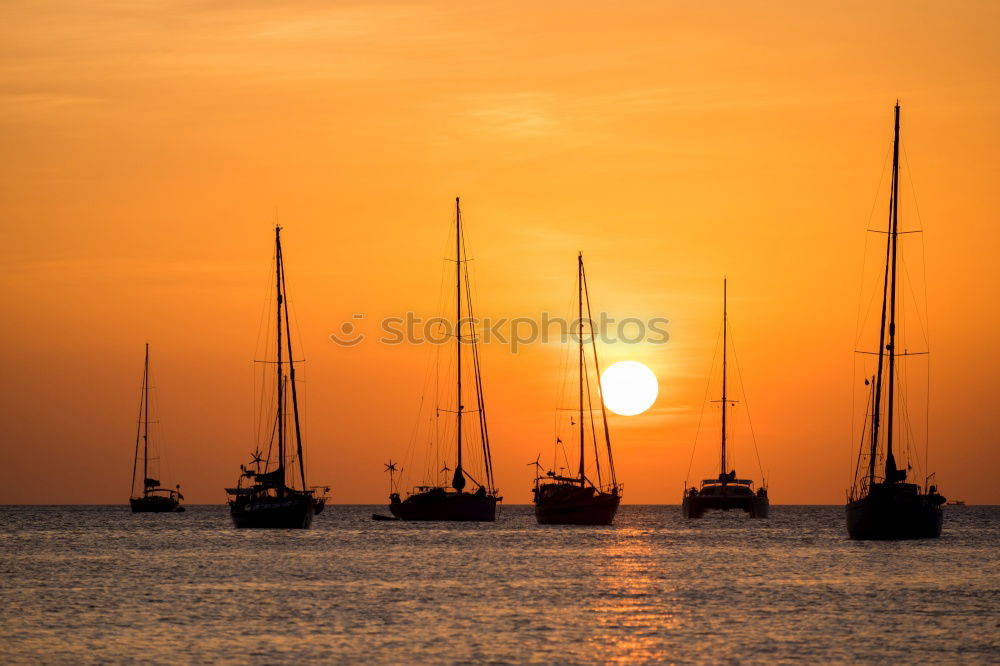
(886, 507)
(577, 500)
(726, 491)
(439, 503)
(452, 502)
(265, 496)
(152, 498)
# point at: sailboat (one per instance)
(726, 491)
(577, 500)
(152, 498)
(884, 506)
(266, 494)
(455, 502)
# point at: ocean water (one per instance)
(99, 584)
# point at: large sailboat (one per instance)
(726, 491)
(455, 501)
(883, 505)
(561, 499)
(269, 492)
(151, 498)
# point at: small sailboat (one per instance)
(884, 506)
(454, 502)
(267, 494)
(726, 491)
(577, 500)
(152, 498)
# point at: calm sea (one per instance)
(99, 584)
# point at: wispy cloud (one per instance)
(33, 104)
(515, 115)
(74, 269)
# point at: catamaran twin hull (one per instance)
(694, 506)
(893, 512)
(564, 504)
(437, 504)
(275, 513)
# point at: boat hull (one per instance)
(155, 505)
(695, 506)
(273, 513)
(894, 514)
(446, 506)
(577, 507)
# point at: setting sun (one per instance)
(629, 388)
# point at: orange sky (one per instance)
(147, 148)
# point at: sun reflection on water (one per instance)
(634, 611)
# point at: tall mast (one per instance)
(458, 480)
(725, 325)
(145, 422)
(579, 279)
(890, 462)
(291, 376)
(890, 269)
(281, 388)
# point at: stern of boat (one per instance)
(892, 513)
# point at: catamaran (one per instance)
(269, 493)
(726, 491)
(881, 504)
(562, 499)
(151, 498)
